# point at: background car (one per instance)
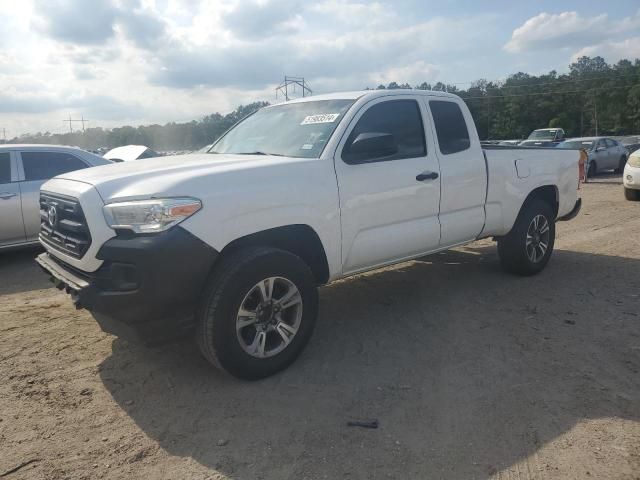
(544, 137)
(632, 144)
(631, 177)
(128, 153)
(23, 168)
(603, 153)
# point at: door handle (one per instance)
(426, 176)
(6, 195)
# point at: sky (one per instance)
(117, 62)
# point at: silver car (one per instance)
(23, 169)
(603, 153)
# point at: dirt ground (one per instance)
(471, 373)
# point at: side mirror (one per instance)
(369, 146)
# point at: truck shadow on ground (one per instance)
(20, 268)
(468, 370)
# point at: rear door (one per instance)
(614, 154)
(388, 202)
(11, 224)
(38, 166)
(463, 172)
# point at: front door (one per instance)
(11, 224)
(389, 184)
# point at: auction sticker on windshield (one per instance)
(323, 118)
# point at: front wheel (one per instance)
(528, 247)
(257, 312)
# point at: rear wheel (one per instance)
(621, 164)
(528, 247)
(257, 312)
(593, 169)
(631, 194)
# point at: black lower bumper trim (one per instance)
(147, 288)
(573, 213)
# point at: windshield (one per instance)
(542, 135)
(577, 144)
(292, 130)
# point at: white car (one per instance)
(23, 169)
(631, 177)
(230, 245)
(128, 153)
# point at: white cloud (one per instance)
(557, 31)
(153, 61)
(612, 51)
(567, 30)
(415, 73)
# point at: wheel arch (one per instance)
(299, 239)
(546, 193)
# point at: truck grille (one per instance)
(63, 225)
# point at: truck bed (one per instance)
(514, 170)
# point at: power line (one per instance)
(70, 120)
(594, 76)
(549, 93)
(288, 82)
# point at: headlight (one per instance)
(150, 216)
(634, 161)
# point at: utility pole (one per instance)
(4, 135)
(595, 110)
(71, 120)
(70, 126)
(488, 118)
(288, 82)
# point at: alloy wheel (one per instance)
(269, 317)
(537, 241)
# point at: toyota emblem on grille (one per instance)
(52, 216)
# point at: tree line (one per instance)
(169, 137)
(592, 96)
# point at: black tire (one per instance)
(232, 279)
(621, 165)
(512, 248)
(593, 169)
(631, 194)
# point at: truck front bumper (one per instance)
(146, 290)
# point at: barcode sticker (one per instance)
(322, 118)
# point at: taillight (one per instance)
(581, 170)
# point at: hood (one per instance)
(168, 175)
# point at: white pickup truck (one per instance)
(230, 245)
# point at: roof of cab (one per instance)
(355, 95)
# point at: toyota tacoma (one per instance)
(231, 244)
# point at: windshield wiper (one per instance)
(260, 153)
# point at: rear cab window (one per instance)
(5, 167)
(46, 165)
(451, 127)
